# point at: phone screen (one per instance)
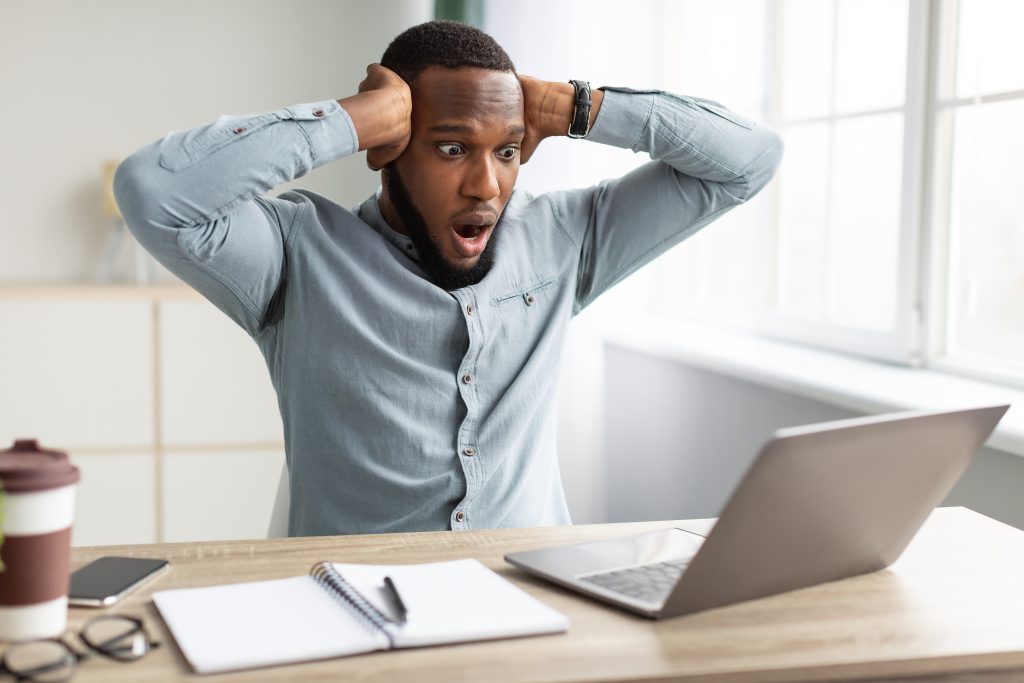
(110, 576)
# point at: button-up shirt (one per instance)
(407, 407)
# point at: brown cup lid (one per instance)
(26, 467)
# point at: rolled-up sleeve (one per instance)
(705, 161)
(194, 199)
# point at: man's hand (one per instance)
(382, 115)
(547, 109)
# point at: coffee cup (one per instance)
(38, 506)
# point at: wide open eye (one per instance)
(450, 149)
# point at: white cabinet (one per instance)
(162, 402)
(212, 495)
(77, 371)
(215, 387)
(114, 502)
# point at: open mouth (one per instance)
(470, 239)
(469, 232)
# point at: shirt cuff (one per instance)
(623, 116)
(329, 128)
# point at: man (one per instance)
(414, 341)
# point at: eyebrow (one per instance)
(466, 130)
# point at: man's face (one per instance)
(450, 186)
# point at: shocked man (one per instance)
(414, 340)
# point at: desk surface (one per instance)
(951, 605)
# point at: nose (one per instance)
(481, 180)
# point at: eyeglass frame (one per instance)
(76, 657)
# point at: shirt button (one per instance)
(468, 451)
(469, 309)
(239, 130)
(460, 516)
(467, 378)
(318, 113)
(529, 299)
(408, 247)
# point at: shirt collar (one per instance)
(369, 211)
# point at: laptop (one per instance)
(819, 503)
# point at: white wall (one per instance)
(678, 439)
(83, 82)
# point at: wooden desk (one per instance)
(952, 605)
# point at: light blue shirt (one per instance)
(407, 407)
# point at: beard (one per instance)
(440, 271)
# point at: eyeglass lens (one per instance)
(43, 661)
(53, 661)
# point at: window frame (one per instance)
(902, 345)
(936, 247)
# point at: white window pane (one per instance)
(682, 275)
(871, 59)
(728, 258)
(990, 50)
(725, 52)
(803, 219)
(806, 58)
(987, 221)
(864, 246)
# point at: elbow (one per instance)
(775, 152)
(760, 171)
(131, 189)
(142, 191)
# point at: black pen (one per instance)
(396, 599)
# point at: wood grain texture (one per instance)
(948, 611)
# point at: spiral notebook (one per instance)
(343, 609)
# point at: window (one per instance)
(895, 227)
(841, 111)
(978, 206)
(896, 222)
(843, 99)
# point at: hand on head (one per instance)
(537, 101)
(397, 120)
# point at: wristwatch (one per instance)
(581, 113)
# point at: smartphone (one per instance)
(106, 580)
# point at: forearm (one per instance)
(704, 163)
(195, 176)
(695, 137)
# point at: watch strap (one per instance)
(581, 112)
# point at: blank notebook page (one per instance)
(262, 623)
(454, 601)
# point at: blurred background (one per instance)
(879, 271)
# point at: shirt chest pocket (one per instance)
(523, 312)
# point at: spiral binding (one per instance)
(348, 597)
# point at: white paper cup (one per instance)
(39, 508)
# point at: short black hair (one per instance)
(443, 43)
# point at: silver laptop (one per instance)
(819, 503)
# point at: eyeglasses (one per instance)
(52, 660)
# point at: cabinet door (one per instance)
(77, 373)
(115, 500)
(215, 388)
(217, 495)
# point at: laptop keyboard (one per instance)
(650, 582)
